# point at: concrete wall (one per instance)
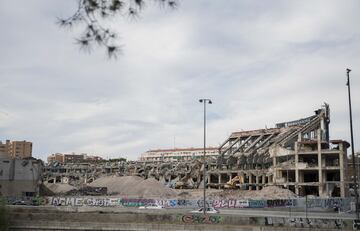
(18, 176)
(17, 188)
(42, 218)
(300, 203)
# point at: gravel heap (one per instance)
(269, 192)
(59, 188)
(134, 186)
(274, 192)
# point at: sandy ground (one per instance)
(137, 187)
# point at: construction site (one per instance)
(289, 176)
(293, 159)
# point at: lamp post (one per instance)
(352, 149)
(204, 172)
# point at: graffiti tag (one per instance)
(201, 219)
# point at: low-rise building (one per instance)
(178, 154)
(56, 157)
(72, 158)
(20, 177)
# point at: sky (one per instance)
(260, 62)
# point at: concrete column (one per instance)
(274, 169)
(301, 176)
(219, 179)
(250, 181)
(321, 191)
(209, 180)
(342, 173)
(257, 182)
(297, 167)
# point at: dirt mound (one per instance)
(153, 188)
(269, 192)
(229, 193)
(88, 191)
(117, 185)
(134, 186)
(276, 192)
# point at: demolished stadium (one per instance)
(297, 155)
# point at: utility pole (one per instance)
(352, 149)
(204, 172)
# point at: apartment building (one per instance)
(16, 149)
(72, 158)
(178, 154)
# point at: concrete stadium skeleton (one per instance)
(262, 157)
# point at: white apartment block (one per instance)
(178, 154)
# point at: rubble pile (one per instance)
(134, 186)
(274, 192)
(117, 185)
(152, 188)
(223, 194)
(88, 191)
(269, 192)
(59, 188)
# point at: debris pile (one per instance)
(274, 192)
(134, 186)
(58, 188)
(88, 191)
(269, 192)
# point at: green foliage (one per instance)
(118, 160)
(4, 216)
(92, 14)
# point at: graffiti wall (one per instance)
(83, 201)
(201, 219)
(314, 203)
(230, 203)
(308, 223)
(281, 203)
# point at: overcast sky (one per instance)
(261, 62)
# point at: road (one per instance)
(246, 212)
(286, 213)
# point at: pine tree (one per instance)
(92, 13)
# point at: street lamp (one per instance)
(204, 173)
(352, 148)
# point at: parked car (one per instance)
(19, 202)
(208, 210)
(151, 206)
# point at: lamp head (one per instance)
(348, 70)
(200, 100)
(210, 102)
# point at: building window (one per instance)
(29, 194)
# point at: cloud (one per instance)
(260, 63)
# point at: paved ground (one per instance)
(285, 212)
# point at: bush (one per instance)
(4, 216)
